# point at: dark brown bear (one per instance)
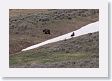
(46, 31)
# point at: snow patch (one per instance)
(90, 28)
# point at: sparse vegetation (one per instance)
(31, 26)
(28, 25)
(75, 52)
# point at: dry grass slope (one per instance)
(26, 25)
(79, 52)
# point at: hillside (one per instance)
(26, 26)
(78, 52)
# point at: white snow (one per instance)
(90, 28)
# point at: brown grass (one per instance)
(17, 12)
(24, 33)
